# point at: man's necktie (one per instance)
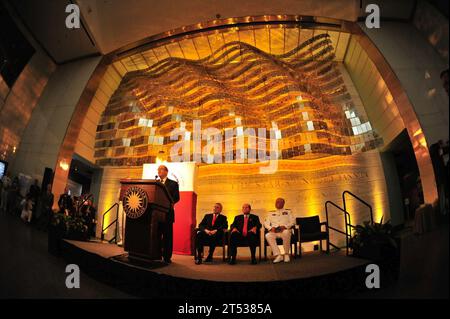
(214, 219)
(244, 231)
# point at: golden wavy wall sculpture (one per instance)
(239, 86)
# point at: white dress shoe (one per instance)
(278, 259)
(287, 258)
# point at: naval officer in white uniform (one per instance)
(279, 223)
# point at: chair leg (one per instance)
(320, 246)
(299, 250)
(259, 253)
(328, 246)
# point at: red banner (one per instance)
(185, 222)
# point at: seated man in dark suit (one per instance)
(211, 232)
(244, 230)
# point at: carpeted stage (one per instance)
(310, 265)
(314, 275)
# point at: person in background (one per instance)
(87, 212)
(14, 197)
(35, 193)
(437, 152)
(65, 203)
(1, 191)
(444, 79)
(6, 184)
(46, 201)
(35, 190)
(27, 208)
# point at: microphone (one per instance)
(157, 177)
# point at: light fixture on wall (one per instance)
(64, 165)
(161, 157)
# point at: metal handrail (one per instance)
(361, 200)
(347, 217)
(347, 223)
(113, 222)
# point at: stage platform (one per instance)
(314, 275)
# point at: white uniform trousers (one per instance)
(285, 235)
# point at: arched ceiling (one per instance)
(115, 24)
(112, 24)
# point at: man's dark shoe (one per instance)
(209, 259)
(254, 262)
(198, 261)
(232, 261)
(167, 261)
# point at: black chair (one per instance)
(224, 242)
(294, 240)
(228, 235)
(310, 229)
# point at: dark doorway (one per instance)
(408, 173)
(80, 174)
(84, 178)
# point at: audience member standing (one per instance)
(27, 209)
(65, 203)
(35, 193)
(6, 184)
(14, 197)
(88, 215)
(46, 201)
(437, 152)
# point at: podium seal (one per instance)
(135, 202)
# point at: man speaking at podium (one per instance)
(167, 227)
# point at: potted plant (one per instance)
(374, 241)
(65, 226)
(76, 229)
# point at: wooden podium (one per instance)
(146, 204)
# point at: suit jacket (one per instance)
(172, 188)
(221, 223)
(65, 201)
(239, 222)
